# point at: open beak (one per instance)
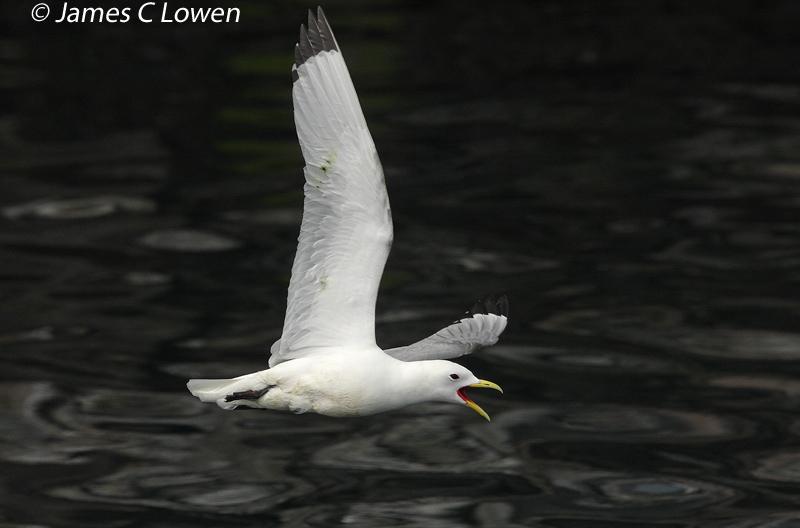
(482, 384)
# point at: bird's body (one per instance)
(327, 360)
(334, 384)
(324, 385)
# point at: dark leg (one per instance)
(248, 394)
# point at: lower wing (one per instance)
(479, 328)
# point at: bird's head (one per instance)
(450, 381)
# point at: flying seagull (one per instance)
(326, 360)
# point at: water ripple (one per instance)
(577, 359)
(164, 487)
(781, 467)
(76, 208)
(591, 496)
(426, 440)
(662, 327)
(433, 512)
(778, 520)
(610, 423)
(637, 495)
(189, 240)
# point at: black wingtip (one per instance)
(314, 33)
(490, 305)
(325, 32)
(315, 38)
(502, 305)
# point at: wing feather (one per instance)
(346, 232)
(479, 328)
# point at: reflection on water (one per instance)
(634, 191)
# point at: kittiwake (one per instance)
(326, 360)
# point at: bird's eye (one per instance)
(453, 376)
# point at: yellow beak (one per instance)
(471, 404)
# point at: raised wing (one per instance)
(479, 328)
(346, 231)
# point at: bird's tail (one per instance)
(219, 390)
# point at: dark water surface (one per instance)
(628, 173)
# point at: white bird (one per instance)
(326, 360)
